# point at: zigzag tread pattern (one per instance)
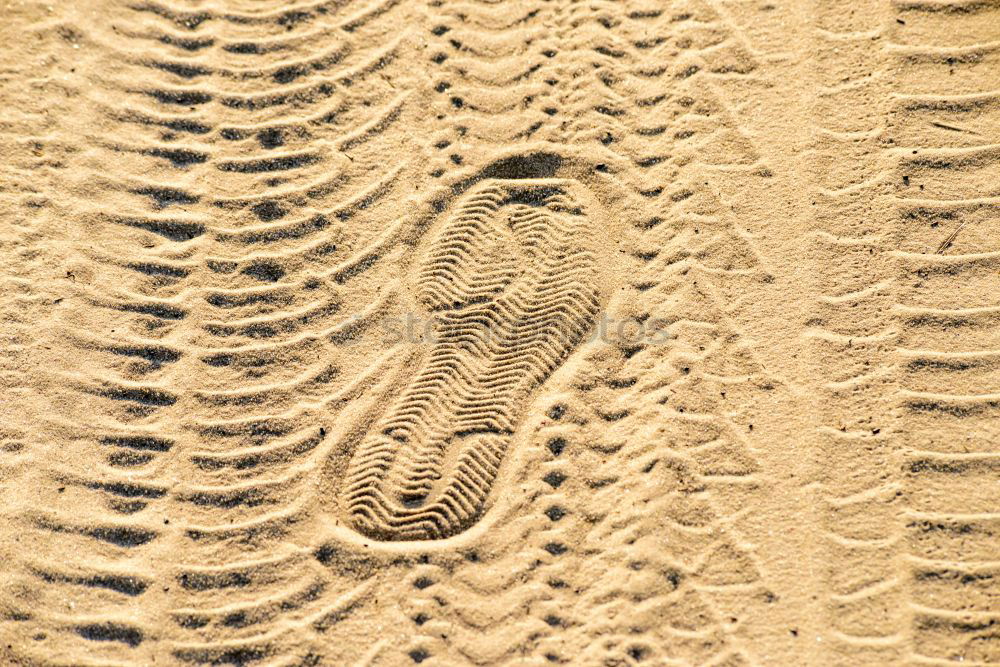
(511, 284)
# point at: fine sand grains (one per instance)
(384, 332)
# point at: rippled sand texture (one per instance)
(223, 221)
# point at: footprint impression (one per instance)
(509, 285)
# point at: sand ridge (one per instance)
(708, 370)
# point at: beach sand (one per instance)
(350, 332)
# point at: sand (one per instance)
(349, 332)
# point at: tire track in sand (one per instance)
(214, 328)
(945, 166)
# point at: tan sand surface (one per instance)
(500, 332)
